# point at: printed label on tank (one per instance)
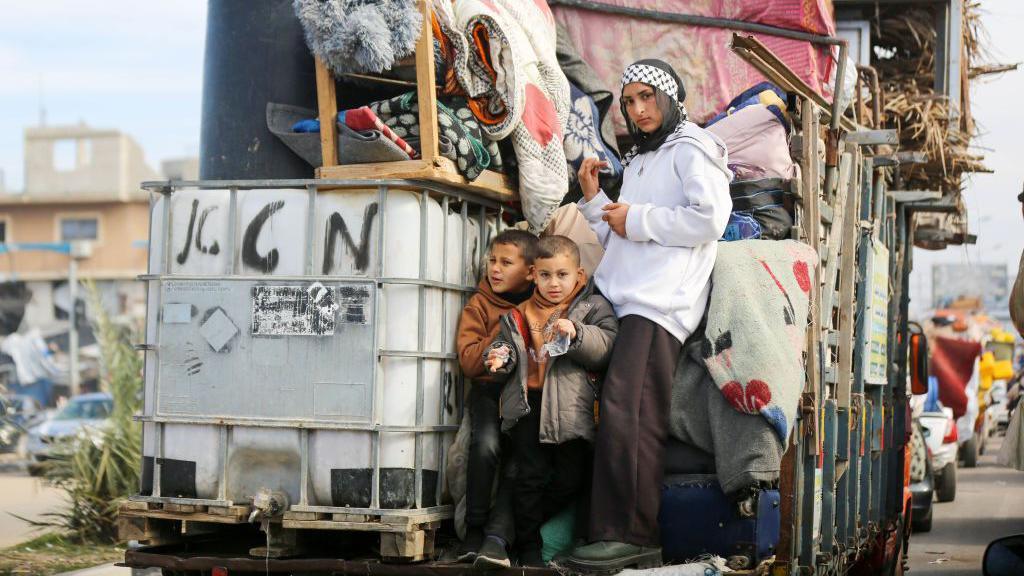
(293, 310)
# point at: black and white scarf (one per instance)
(669, 94)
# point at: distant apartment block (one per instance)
(81, 185)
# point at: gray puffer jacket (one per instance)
(570, 381)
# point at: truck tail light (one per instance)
(219, 571)
(951, 434)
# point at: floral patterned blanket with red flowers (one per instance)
(756, 334)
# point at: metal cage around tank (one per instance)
(474, 214)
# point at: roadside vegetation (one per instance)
(97, 470)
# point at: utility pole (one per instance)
(74, 378)
(78, 250)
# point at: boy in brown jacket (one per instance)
(549, 352)
(508, 282)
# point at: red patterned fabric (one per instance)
(952, 364)
(711, 72)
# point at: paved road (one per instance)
(24, 496)
(989, 504)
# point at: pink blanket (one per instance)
(713, 75)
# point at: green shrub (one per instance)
(100, 468)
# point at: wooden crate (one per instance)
(431, 165)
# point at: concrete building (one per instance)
(81, 185)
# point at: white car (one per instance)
(80, 413)
(941, 437)
(996, 415)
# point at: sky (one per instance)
(994, 213)
(137, 67)
(130, 65)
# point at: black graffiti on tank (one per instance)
(212, 249)
(361, 253)
(250, 255)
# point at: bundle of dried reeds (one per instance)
(905, 59)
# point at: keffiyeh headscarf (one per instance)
(669, 95)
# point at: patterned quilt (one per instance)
(755, 338)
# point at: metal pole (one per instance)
(73, 332)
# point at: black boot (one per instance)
(470, 546)
(493, 555)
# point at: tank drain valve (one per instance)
(267, 504)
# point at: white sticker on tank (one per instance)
(293, 310)
(177, 313)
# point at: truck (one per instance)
(302, 391)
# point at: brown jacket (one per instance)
(478, 326)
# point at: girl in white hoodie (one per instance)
(660, 242)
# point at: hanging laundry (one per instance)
(459, 135)
(360, 35)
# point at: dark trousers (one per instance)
(484, 451)
(631, 434)
(548, 478)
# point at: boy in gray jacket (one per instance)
(548, 353)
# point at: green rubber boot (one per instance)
(611, 557)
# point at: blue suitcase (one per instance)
(697, 518)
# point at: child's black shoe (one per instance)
(470, 546)
(492, 555)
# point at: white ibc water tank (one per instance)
(226, 356)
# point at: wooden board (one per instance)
(407, 546)
(442, 170)
(426, 89)
(327, 102)
(191, 517)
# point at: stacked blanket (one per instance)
(752, 352)
(511, 74)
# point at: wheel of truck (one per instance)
(970, 449)
(923, 524)
(945, 491)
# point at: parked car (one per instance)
(922, 481)
(80, 414)
(941, 438)
(997, 414)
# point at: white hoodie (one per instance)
(679, 206)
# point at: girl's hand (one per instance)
(563, 326)
(615, 216)
(588, 177)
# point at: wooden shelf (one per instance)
(431, 166)
(442, 170)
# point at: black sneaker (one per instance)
(531, 558)
(469, 547)
(492, 555)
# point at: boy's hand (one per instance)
(615, 216)
(588, 177)
(566, 327)
(496, 358)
